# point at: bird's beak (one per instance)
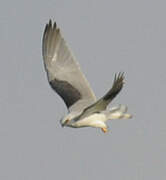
(65, 122)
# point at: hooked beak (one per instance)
(65, 122)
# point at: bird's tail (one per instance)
(119, 112)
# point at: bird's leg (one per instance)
(104, 130)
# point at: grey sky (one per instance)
(106, 37)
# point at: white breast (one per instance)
(94, 120)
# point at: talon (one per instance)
(104, 130)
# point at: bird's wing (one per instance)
(103, 102)
(64, 74)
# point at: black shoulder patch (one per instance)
(69, 94)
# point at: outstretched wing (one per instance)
(116, 88)
(103, 102)
(64, 74)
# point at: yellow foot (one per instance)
(104, 130)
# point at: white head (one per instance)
(66, 120)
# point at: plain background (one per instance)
(106, 37)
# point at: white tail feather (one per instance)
(119, 112)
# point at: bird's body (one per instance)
(66, 78)
(98, 119)
(94, 120)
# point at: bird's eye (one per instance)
(66, 121)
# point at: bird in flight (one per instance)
(66, 78)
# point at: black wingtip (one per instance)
(119, 77)
(50, 23)
(54, 26)
(116, 88)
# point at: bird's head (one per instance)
(69, 119)
(66, 120)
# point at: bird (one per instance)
(67, 80)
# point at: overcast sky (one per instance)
(106, 37)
